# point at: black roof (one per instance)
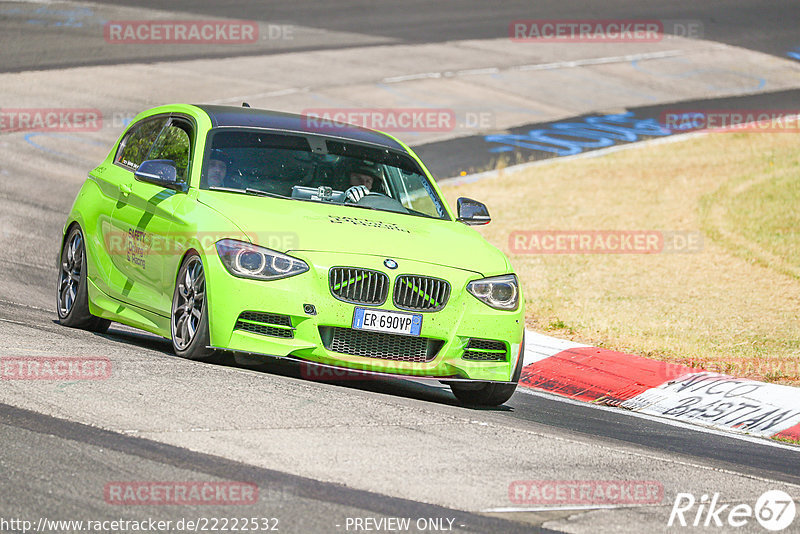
(277, 120)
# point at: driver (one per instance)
(363, 178)
(217, 171)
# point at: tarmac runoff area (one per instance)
(330, 432)
(434, 93)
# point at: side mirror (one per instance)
(160, 172)
(471, 212)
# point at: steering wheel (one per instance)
(354, 194)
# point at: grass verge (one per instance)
(731, 303)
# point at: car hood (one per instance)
(294, 225)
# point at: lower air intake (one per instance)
(379, 345)
(484, 350)
(266, 324)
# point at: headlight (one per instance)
(250, 261)
(499, 292)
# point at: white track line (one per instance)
(575, 507)
(536, 66)
(12, 303)
(277, 92)
(601, 60)
(671, 422)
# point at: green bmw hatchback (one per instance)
(237, 230)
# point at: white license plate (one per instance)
(391, 322)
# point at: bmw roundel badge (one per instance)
(391, 264)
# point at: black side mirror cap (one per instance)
(160, 172)
(472, 213)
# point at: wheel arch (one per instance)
(188, 252)
(68, 226)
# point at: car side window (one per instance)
(137, 143)
(174, 144)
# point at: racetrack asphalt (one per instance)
(320, 452)
(472, 154)
(41, 42)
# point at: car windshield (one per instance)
(320, 169)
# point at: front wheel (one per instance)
(491, 394)
(189, 321)
(72, 293)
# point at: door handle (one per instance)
(125, 189)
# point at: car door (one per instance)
(144, 217)
(115, 180)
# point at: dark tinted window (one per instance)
(332, 171)
(137, 143)
(379, 155)
(242, 140)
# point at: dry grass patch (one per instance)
(733, 306)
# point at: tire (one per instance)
(72, 292)
(189, 316)
(490, 394)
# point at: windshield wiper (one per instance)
(408, 211)
(248, 191)
(259, 192)
(227, 189)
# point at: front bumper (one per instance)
(450, 330)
